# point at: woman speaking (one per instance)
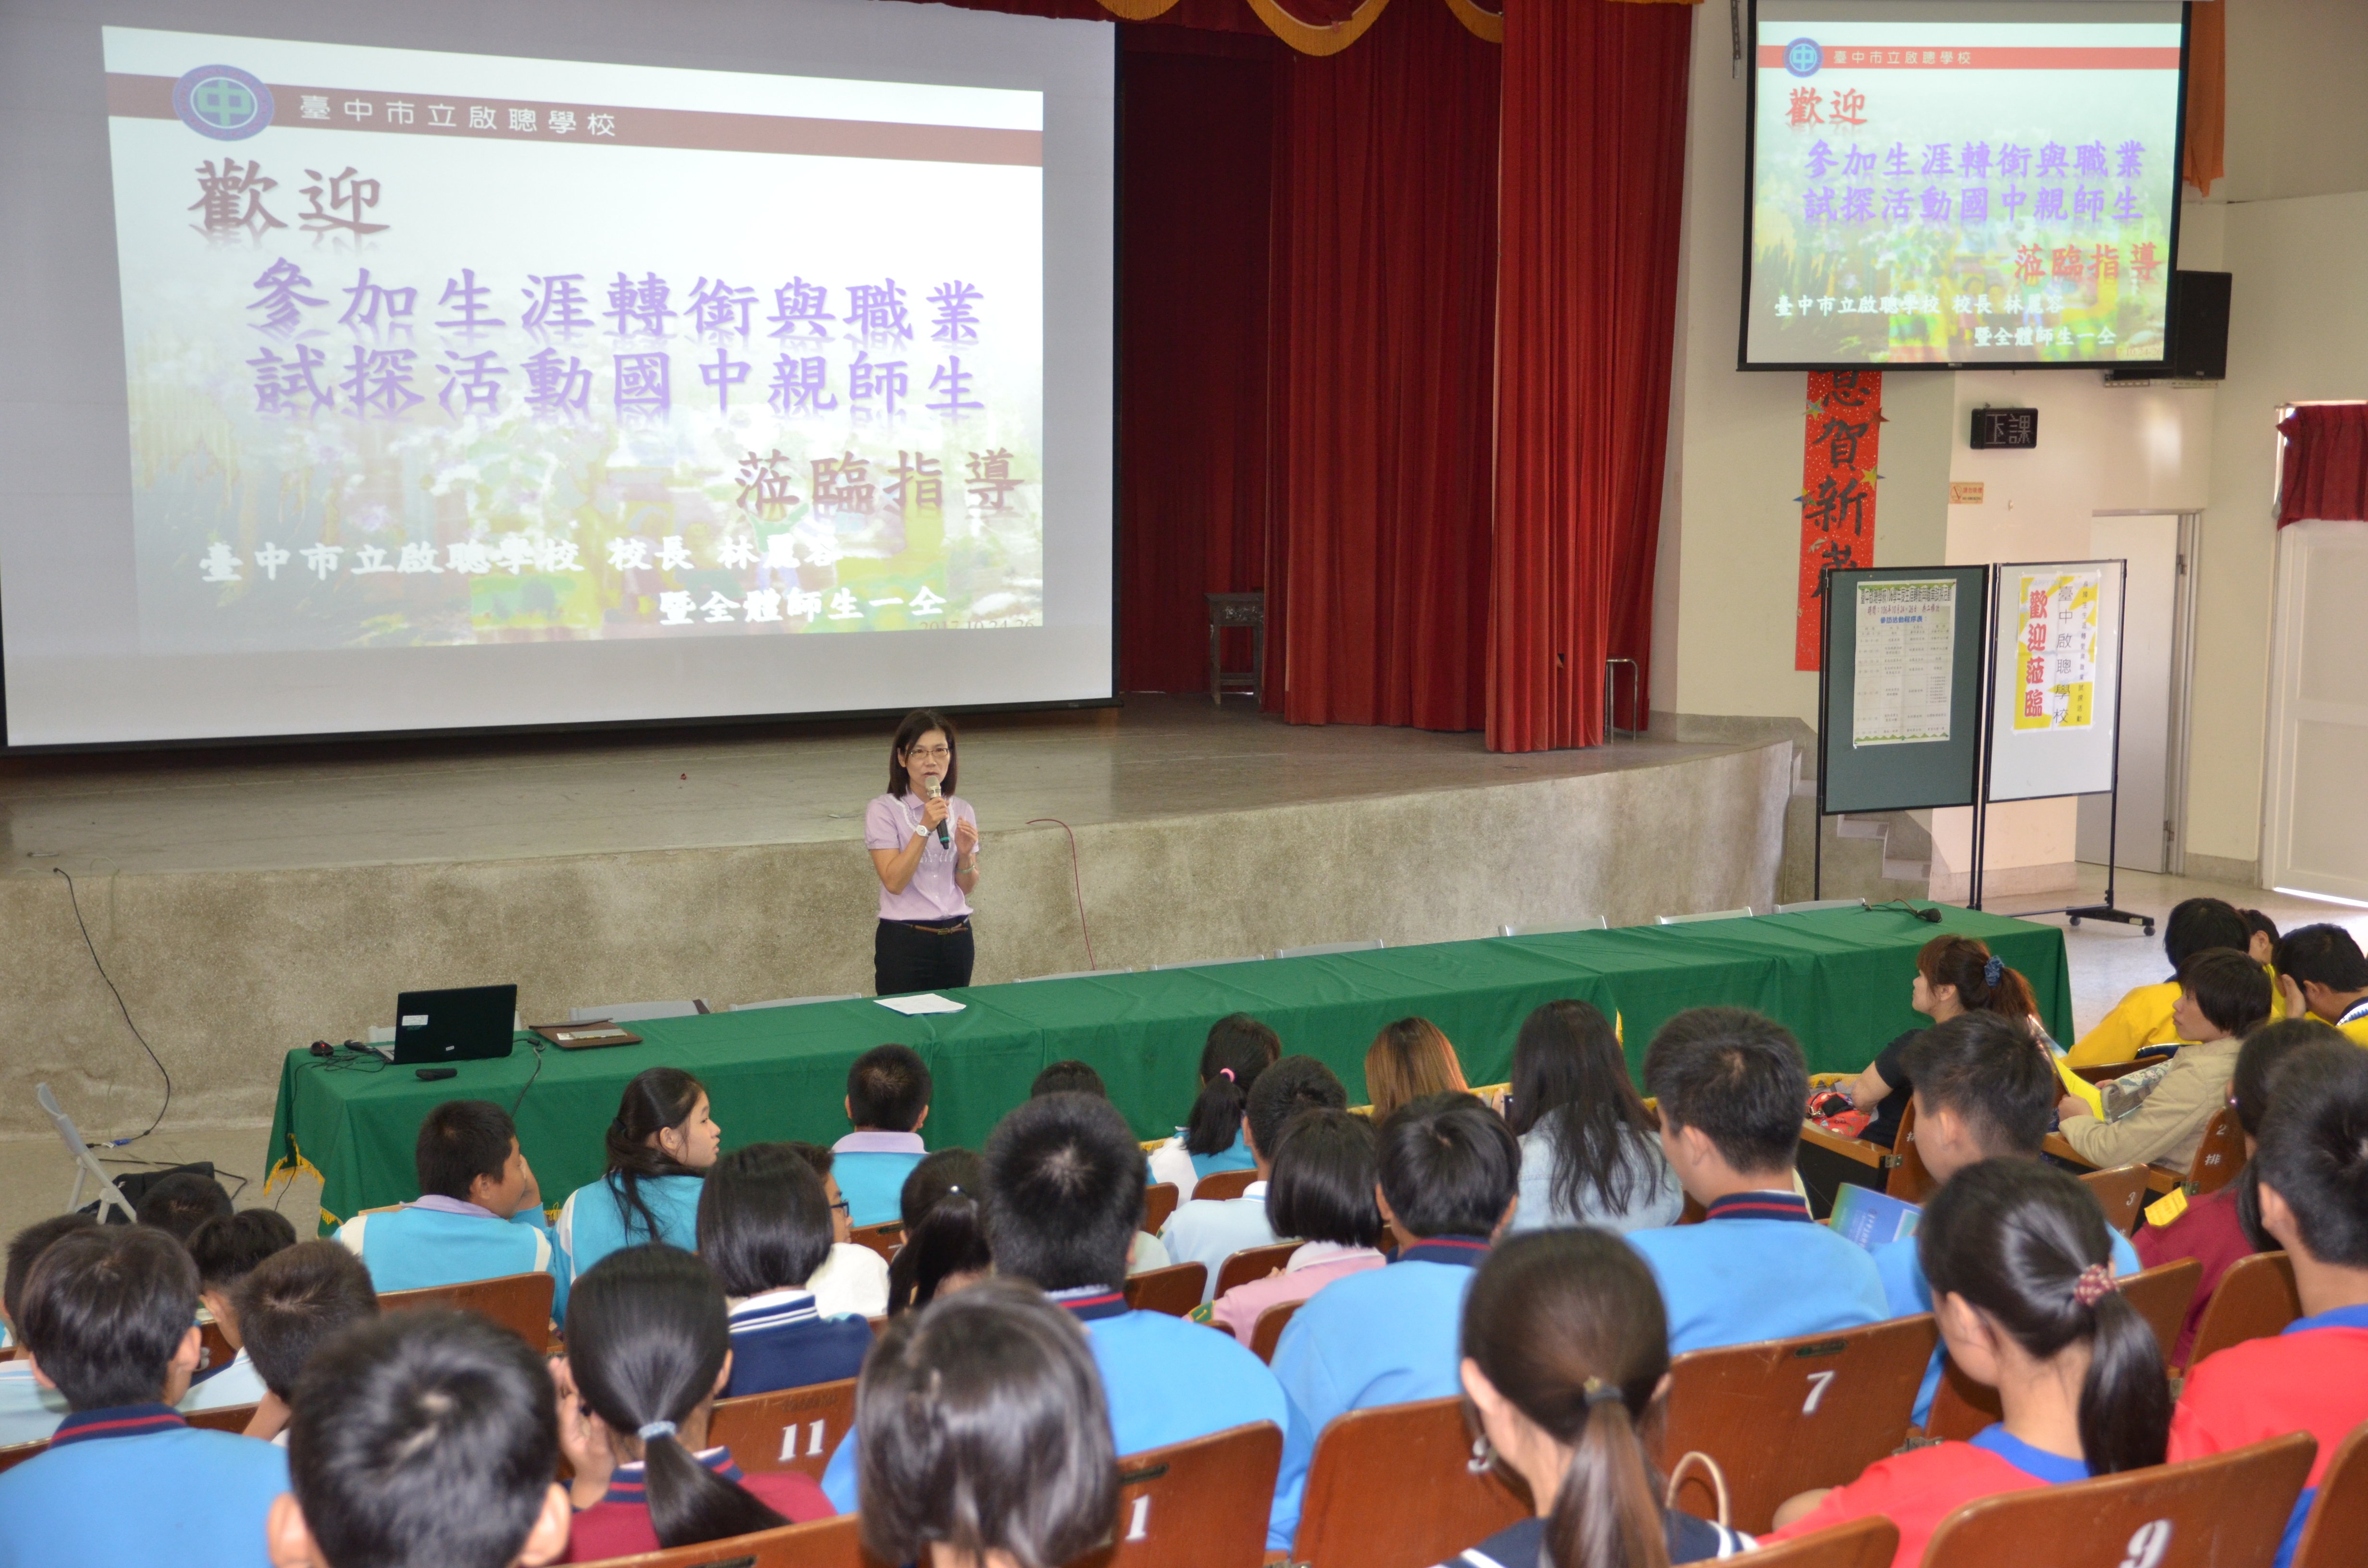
(923, 840)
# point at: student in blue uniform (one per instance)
(1983, 1091)
(2024, 1294)
(426, 1437)
(660, 1145)
(1731, 1085)
(1238, 1049)
(226, 1250)
(1451, 1171)
(945, 1250)
(888, 1101)
(29, 1409)
(479, 1214)
(110, 1317)
(294, 1302)
(1209, 1230)
(987, 1438)
(1064, 1185)
(763, 1227)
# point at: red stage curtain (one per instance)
(2326, 470)
(1196, 145)
(1593, 177)
(1384, 292)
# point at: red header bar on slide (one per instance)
(1852, 57)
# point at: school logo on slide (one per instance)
(1802, 57)
(222, 102)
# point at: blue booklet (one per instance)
(1871, 1217)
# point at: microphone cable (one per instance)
(74, 899)
(1075, 881)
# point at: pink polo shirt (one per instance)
(932, 897)
(1312, 1267)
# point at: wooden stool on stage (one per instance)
(1236, 609)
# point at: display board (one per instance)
(1899, 700)
(2056, 710)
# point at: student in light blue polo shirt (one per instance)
(479, 1215)
(226, 1250)
(29, 1408)
(110, 1318)
(1209, 1230)
(888, 1101)
(1451, 1175)
(659, 1146)
(1983, 1090)
(1732, 1087)
(1064, 1183)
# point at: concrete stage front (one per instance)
(249, 901)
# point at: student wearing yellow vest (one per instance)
(2320, 971)
(2143, 1018)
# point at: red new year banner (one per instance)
(1841, 437)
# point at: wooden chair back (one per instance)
(1159, 1203)
(1267, 1333)
(787, 1429)
(1252, 1263)
(230, 1418)
(1391, 1487)
(2208, 1513)
(15, 1454)
(1910, 1180)
(520, 1302)
(1962, 1407)
(884, 1239)
(826, 1543)
(1868, 1542)
(215, 1346)
(1175, 1289)
(2221, 1155)
(2253, 1301)
(1200, 1502)
(2121, 1193)
(1784, 1416)
(2107, 1071)
(2336, 1531)
(1221, 1185)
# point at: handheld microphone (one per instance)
(944, 840)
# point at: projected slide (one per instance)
(1961, 191)
(430, 349)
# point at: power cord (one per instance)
(1075, 882)
(1901, 906)
(74, 899)
(530, 1077)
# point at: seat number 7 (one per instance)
(1818, 1383)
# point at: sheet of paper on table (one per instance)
(914, 1007)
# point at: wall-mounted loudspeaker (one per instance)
(2199, 333)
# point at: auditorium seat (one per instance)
(1391, 1486)
(1318, 949)
(1784, 1416)
(1202, 1501)
(231, 1418)
(2121, 1193)
(1868, 1542)
(1175, 1289)
(635, 1011)
(1742, 913)
(2253, 1301)
(824, 1543)
(2230, 1509)
(1218, 1185)
(2336, 1535)
(796, 1001)
(1556, 928)
(883, 1238)
(1158, 1202)
(1267, 1331)
(520, 1302)
(1252, 1263)
(786, 1429)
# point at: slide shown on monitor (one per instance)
(1961, 183)
(465, 388)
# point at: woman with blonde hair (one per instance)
(1407, 1060)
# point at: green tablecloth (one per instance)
(1839, 979)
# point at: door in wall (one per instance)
(2315, 835)
(2150, 650)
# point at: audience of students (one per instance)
(423, 1439)
(1408, 1060)
(987, 1440)
(2211, 1228)
(887, 1102)
(2321, 973)
(944, 1205)
(2143, 1018)
(1589, 1155)
(108, 1315)
(2020, 1265)
(763, 1227)
(1953, 976)
(226, 1249)
(1209, 1230)
(2223, 997)
(1565, 1354)
(1449, 1179)
(1731, 1086)
(179, 1202)
(649, 1349)
(1327, 1173)
(288, 1306)
(1078, 1077)
(853, 1280)
(1238, 1049)
(2311, 1180)
(29, 1408)
(478, 1215)
(2263, 942)
(661, 1143)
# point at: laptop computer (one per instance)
(469, 1024)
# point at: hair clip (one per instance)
(1224, 1072)
(1600, 1392)
(651, 1430)
(2096, 1283)
(1992, 971)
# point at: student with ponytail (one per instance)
(1566, 1352)
(945, 1231)
(659, 1145)
(2019, 1262)
(648, 1351)
(1954, 975)
(1239, 1048)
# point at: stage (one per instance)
(249, 901)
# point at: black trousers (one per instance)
(906, 959)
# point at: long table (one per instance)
(1839, 979)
